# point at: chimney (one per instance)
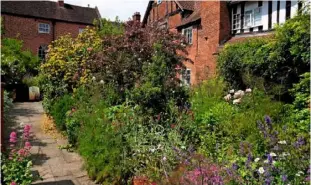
(61, 3)
(136, 17)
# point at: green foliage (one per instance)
(105, 27)
(16, 170)
(15, 62)
(7, 105)
(280, 59)
(59, 109)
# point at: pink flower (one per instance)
(89, 49)
(27, 145)
(13, 183)
(21, 152)
(27, 132)
(13, 137)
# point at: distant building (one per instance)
(208, 25)
(38, 23)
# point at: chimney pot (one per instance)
(61, 3)
(136, 17)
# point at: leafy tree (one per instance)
(105, 27)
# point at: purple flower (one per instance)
(300, 142)
(267, 181)
(284, 178)
(268, 120)
(269, 157)
(234, 166)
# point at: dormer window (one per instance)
(43, 28)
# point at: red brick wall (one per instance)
(159, 12)
(26, 29)
(63, 28)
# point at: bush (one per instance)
(7, 105)
(59, 110)
(280, 59)
(16, 63)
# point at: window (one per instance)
(186, 77)
(44, 28)
(159, 1)
(257, 16)
(252, 17)
(42, 52)
(81, 30)
(236, 21)
(248, 18)
(187, 32)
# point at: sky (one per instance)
(124, 9)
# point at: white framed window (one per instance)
(257, 16)
(186, 77)
(43, 28)
(159, 1)
(187, 32)
(236, 21)
(81, 30)
(248, 21)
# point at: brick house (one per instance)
(208, 25)
(38, 23)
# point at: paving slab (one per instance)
(55, 166)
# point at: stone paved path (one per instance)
(55, 166)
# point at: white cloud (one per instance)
(124, 9)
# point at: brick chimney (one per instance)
(61, 3)
(136, 17)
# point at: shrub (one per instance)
(16, 62)
(59, 109)
(280, 59)
(7, 105)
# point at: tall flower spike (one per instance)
(13, 137)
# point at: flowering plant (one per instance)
(17, 164)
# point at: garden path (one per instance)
(55, 166)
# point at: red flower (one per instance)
(173, 125)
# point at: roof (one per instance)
(51, 10)
(195, 16)
(184, 5)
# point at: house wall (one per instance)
(249, 5)
(26, 29)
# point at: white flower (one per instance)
(249, 90)
(266, 161)
(261, 170)
(228, 97)
(237, 101)
(231, 91)
(282, 142)
(238, 94)
(273, 162)
(22, 124)
(152, 150)
(93, 78)
(284, 154)
(164, 158)
(273, 154)
(102, 82)
(257, 159)
(183, 147)
(298, 174)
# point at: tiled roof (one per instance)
(50, 10)
(186, 5)
(192, 18)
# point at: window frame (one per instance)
(258, 14)
(159, 1)
(42, 51)
(238, 21)
(185, 77)
(46, 28)
(250, 21)
(186, 32)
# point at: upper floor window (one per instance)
(186, 77)
(42, 52)
(252, 17)
(187, 32)
(159, 1)
(44, 28)
(236, 21)
(81, 30)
